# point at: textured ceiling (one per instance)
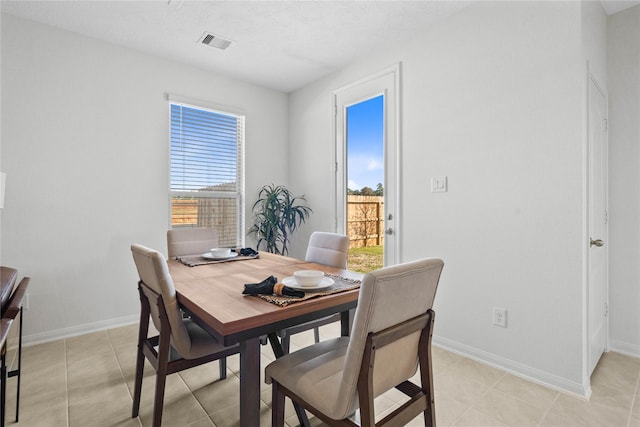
(282, 45)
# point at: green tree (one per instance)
(367, 191)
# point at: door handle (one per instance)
(598, 242)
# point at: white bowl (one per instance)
(308, 277)
(220, 252)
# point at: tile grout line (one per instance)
(66, 382)
(207, 415)
(546, 411)
(473, 405)
(555, 399)
(124, 379)
(492, 387)
(633, 400)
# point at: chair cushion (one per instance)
(202, 344)
(191, 241)
(328, 248)
(314, 373)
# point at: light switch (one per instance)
(438, 184)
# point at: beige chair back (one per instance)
(388, 296)
(191, 241)
(154, 273)
(328, 249)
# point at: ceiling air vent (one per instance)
(214, 41)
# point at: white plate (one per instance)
(209, 255)
(291, 282)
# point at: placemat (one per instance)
(194, 260)
(341, 284)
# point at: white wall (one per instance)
(85, 137)
(493, 98)
(624, 144)
(594, 40)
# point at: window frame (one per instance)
(239, 193)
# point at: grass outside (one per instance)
(365, 259)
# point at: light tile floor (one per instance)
(88, 381)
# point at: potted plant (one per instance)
(277, 214)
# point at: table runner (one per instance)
(341, 284)
(194, 260)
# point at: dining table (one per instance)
(211, 293)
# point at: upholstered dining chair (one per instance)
(11, 309)
(390, 339)
(194, 241)
(191, 241)
(181, 343)
(328, 249)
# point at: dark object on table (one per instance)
(270, 286)
(247, 252)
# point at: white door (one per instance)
(385, 83)
(597, 308)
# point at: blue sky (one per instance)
(365, 144)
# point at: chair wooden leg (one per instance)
(138, 382)
(161, 380)
(429, 420)
(143, 330)
(18, 371)
(277, 406)
(3, 386)
(223, 368)
(161, 375)
(316, 334)
(426, 370)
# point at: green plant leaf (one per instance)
(277, 214)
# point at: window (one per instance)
(207, 185)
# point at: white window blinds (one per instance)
(207, 171)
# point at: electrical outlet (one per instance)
(500, 317)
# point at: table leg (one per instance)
(346, 320)
(250, 382)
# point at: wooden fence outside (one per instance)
(365, 220)
(221, 214)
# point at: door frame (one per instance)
(392, 158)
(591, 79)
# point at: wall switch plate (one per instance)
(438, 184)
(500, 316)
(25, 303)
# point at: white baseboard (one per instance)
(625, 348)
(515, 368)
(73, 331)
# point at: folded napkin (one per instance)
(247, 252)
(271, 286)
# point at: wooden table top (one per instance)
(213, 293)
(8, 278)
